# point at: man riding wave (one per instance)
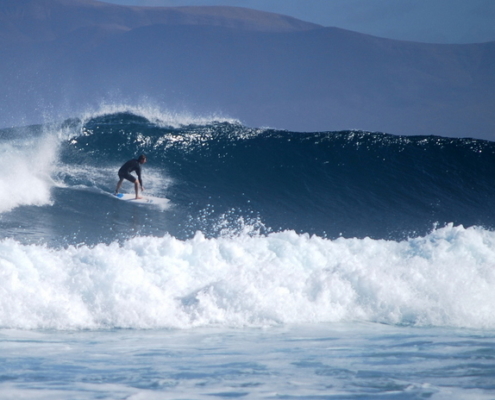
(125, 173)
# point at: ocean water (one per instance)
(285, 265)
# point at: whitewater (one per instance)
(443, 279)
(321, 265)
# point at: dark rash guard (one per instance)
(127, 168)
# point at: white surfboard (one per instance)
(149, 200)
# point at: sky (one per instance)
(430, 21)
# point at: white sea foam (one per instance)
(28, 165)
(446, 278)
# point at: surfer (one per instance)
(125, 173)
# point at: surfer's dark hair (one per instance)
(142, 157)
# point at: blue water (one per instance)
(279, 264)
(329, 361)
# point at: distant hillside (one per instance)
(23, 21)
(60, 57)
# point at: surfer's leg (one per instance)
(136, 187)
(119, 184)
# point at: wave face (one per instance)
(351, 184)
(262, 226)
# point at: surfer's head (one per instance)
(142, 159)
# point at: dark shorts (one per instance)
(128, 176)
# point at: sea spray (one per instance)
(28, 165)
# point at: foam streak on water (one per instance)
(444, 279)
(323, 361)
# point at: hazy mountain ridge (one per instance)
(204, 60)
(25, 21)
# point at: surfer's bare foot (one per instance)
(139, 197)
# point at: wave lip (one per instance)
(155, 115)
(443, 279)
